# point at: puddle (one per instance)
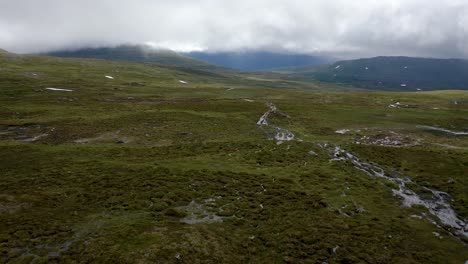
(33, 139)
(11, 207)
(106, 137)
(198, 213)
(25, 133)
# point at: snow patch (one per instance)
(109, 77)
(59, 89)
(342, 131)
(397, 105)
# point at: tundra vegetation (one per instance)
(165, 164)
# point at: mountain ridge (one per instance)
(135, 53)
(258, 60)
(391, 73)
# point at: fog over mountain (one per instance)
(340, 28)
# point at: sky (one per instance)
(339, 28)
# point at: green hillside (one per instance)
(136, 53)
(392, 73)
(120, 162)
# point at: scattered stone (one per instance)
(437, 235)
(416, 216)
(392, 139)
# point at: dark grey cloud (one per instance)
(338, 27)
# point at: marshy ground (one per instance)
(143, 168)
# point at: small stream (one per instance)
(438, 203)
(279, 134)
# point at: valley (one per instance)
(111, 161)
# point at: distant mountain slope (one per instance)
(135, 53)
(251, 61)
(29, 71)
(392, 73)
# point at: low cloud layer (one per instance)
(340, 28)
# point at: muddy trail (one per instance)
(440, 212)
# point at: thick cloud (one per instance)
(336, 27)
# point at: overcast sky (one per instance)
(435, 28)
